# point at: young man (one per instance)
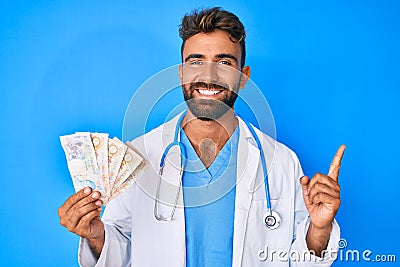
(207, 224)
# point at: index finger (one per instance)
(335, 165)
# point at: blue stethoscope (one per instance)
(271, 218)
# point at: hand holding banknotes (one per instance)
(101, 168)
(80, 214)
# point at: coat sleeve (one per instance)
(299, 254)
(117, 228)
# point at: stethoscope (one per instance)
(271, 218)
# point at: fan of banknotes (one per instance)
(104, 164)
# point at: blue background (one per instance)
(329, 69)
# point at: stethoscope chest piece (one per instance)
(272, 220)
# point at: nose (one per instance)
(205, 72)
(210, 72)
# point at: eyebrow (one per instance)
(194, 56)
(218, 56)
(227, 56)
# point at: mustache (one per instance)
(208, 86)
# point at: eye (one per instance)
(224, 62)
(196, 62)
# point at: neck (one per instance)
(216, 131)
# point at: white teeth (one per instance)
(208, 92)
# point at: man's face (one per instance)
(211, 75)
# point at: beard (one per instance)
(208, 109)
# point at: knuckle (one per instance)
(79, 232)
(71, 229)
(78, 196)
(85, 218)
(82, 212)
(68, 222)
(80, 193)
(321, 188)
(79, 214)
(315, 189)
(315, 192)
(59, 211)
(317, 177)
(75, 214)
(70, 201)
(88, 199)
(328, 188)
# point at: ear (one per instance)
(244, 76)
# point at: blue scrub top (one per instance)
(209, 197)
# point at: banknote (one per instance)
(116, 152)
(106, 165)
(81, 160)
(129, 163)
(100, 144)
(129, 181)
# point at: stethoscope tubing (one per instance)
(175, 142)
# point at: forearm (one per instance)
(113, 247)
(96, 245)
(114, 251)
(317, 238)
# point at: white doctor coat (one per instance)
(134, 237)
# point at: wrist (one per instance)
(319, 229)
(96, 244)
(98, 238)
(318, 237)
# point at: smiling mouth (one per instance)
(206, 92)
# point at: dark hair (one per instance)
(210, 19)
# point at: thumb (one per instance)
(304, 181)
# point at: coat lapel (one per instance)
(171, 178)
(170, 187)
(247, 166)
